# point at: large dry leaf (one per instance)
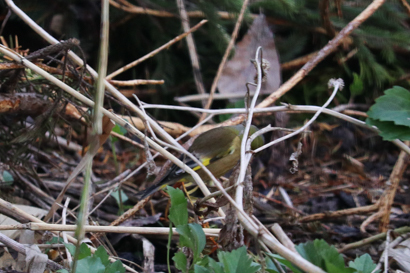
(4, 220)
(239, 70)
(401, 254)
(7, 261)
(33, 261)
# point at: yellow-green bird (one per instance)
(218, 149)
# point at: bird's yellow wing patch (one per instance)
(205, 161)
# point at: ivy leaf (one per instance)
(208, 265)
(102, 254)
(237, 261)
(70, 248)
(389, 130)
(363, 264)
(217, 267)
(115, 267)
(308, 251)
(282, 261)
(323, 255)
(393, 106)
(84, 251)
(90, 264)
(201, 269)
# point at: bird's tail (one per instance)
(150, 190)
(160, 185)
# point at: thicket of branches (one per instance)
(49, 95)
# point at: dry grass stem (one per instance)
(112, 229)
(136, 82)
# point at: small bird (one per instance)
(218, 149)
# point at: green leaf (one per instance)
(180, 261)
(118, 129)
(90, 264)
(282, 261)
(7, 177)
(192, 236)
(178, 212)
(102, 254)
(55, 240)
(363, 264)
(237, 261)
(308, 251)
(393, 106)
(323, 255)
(84, 251)
(201, 269)
(63, 270)
(231, 105)
(389, 130)
(71, 248)
(207, 264)
(115, 267)
(116, 195)
(356, 88)
(217, 267)
(331, 267)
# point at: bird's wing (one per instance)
(213, 143)
(208, 147)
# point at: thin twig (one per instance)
(380, 236)
(136, 82)
(191, 47)
(338, 85)
(156, 51)
(289, 109)
(245, 156)
(386, 200)
(64, 217)
(406, 6)
(140, 10)
(218, 96)
(110, 229)
(226, 55)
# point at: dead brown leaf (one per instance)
(239, 70)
